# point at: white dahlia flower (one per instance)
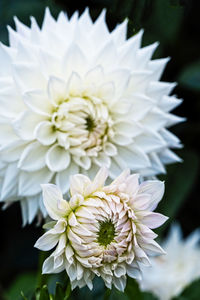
(102, 230)
(171, 273)
(74, 97)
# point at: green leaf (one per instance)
(192, 292)
(148, 296)
(60, 294)
(132, 290)
(49, 225)
(117, 295)
(23, 296)
(24, 283)
(68, 291)
(190, 76)
(44, 294)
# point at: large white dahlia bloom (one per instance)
(102, 230)
(73, 97)
(171, 273)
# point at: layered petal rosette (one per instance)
(74, 97)
(102, 230)
(171, 273)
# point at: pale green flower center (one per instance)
(90, 123)
(106, 233)
(82, 123)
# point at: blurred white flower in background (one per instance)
(102, 230)
(171, 273)
(74, 97)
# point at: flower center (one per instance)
(106, 233)
(90, 124)
(82, 123)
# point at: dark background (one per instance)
(176, 25)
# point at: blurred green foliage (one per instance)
(191, 292)
(190, 76)
(23, 9)
(25, 282)
(131, 292)
(178, 185)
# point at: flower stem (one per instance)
(68, 291)
(41, 279)
(107, 294)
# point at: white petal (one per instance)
(57, 158)
(25, 124)
(78, 184)
(120, 283)
(132, 184)
(24, 210)
(57, 90)
(5, 61)
(75, 84)
(7, 134)
(155, 189)
(27, 76)
(151, 247)
(33, 207)
(122, 140)
(12, 151)
(38, 102)
(98, 181)
(48, 266)
(17, 104)
(110, 149)
(33, 157)
(48, 21)
(154, 220)
(94, 75)
(45, 133)
(62, 178)
(133, 157)
(158, 66)
(133, 272)
(47, 241)
(102, 160)
(119, 33)
(29, 182)
(150, 141)
(21, 28)
(74, 61)
(52, 197)
(9, 189)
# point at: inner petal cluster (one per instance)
(106, 233)
(103, 232)
(81, 126)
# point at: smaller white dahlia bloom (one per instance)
(102, 230)
(171, 273)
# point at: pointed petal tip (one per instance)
(16, 20)
(141, 32)
(36, 245)
(168, 58)
(47, 10)
(45, 185)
